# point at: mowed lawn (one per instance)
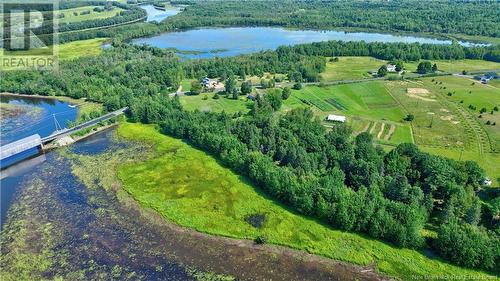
(186, 84)
(192, 189)
(456, 66)
(350, 68)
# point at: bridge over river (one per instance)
(27, 145)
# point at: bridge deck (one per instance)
(30, 142)
(19, 146)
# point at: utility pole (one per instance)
(56, 124)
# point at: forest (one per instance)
(344, 181)
(464, 17)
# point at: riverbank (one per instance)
(68, 140)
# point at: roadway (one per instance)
(66, 131)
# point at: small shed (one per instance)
(335, 118)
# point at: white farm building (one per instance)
(335, 118)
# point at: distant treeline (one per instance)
(390, 51)
(450, 17)
(346, 182)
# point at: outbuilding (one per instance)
(335, 118)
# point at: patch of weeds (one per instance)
(256, 220)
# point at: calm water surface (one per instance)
(156, 15)
(222, 42)
(35, 116)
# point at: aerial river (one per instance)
(85, 227)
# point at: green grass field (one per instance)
(368, 99)
(205, 102)
(70, 17)
(76, 49)
(435, 124)
(364, 104)
(192, 189)
(66, 51)
(444, 125)
(186, 84)
(350, 68)
(476, 94)
(456, 66)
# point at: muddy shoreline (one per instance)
(270, 262)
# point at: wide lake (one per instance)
(223, 42)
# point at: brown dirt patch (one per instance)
(391, 132)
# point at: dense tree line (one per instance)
(394, 51)
(464, 17)
(328, 174)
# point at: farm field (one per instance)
(192, 189)
(434, 123)
(350, 68)
(384, 132)
(444, 125)
(368, 99)
(456, 66)
(69, 14)
(467, 92)
(368, 105)
(68, 51)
